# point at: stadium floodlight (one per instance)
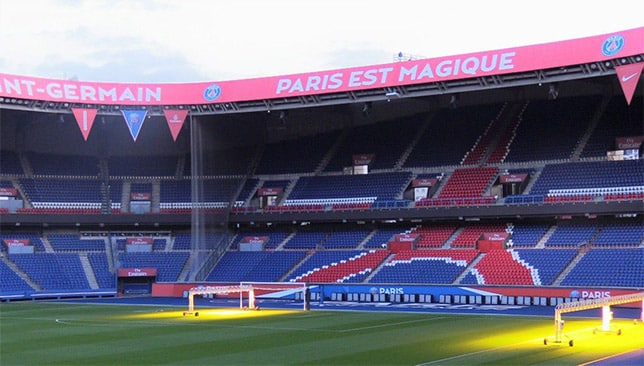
(392, 94)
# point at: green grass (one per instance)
(33, 333)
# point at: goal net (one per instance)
(293, 293)
(252, 295)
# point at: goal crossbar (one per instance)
(216, 290)
(297, 291)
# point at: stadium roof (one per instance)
(541, 64)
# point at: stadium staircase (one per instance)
(126, 188)
(89, 272)
(541, 244)
(512, 116)
(256, 160)
(181, 165)
(26, 165)
(109, 253)
(450, 240)
(185, 271)
(589, 131)
(156, 197)
(533, 178)
(412, 145)
(493, 144)
(20, 273)
(442, 182)
(169, 244)
(485, 143)
(287, 190)
(289, 273)
(375, 271)
(501, 148)
(286, 240)
(469, 268)
(331, 153)
(47, 245)
(366, 239)
(569, 268)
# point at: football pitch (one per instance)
(59, 333)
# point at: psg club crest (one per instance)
(612, 45)
(134, 120)
(212, 92)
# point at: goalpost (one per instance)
(249, 292)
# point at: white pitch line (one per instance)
(390, 324)
(491, 349)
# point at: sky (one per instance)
(174, 41)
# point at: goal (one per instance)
(292, 293)
(278, 294)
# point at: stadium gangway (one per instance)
(604, 303)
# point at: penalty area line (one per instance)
(385, 325)
(491, 349)
(475, 353)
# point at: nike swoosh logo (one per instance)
(626, 78)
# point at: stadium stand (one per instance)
(331, 224)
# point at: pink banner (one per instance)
(363, 159)
(630, 142)
(512, 178)
(406, 237)
(8, 192)
(495, 236)
(85, 119)
(255, 240)
(137, 272)
(510, 60)
(269, 191)
(143, 196)
(628, 76)
(175, 119)
(17, 242)
(139, 241)
(424, 182)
